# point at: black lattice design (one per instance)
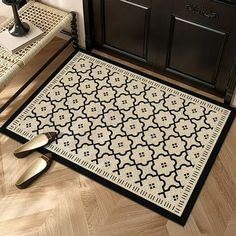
(142, 135)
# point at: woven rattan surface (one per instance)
(50, 20)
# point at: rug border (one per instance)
(195, 193)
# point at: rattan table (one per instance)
(50, 20)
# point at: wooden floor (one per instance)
(64, 202)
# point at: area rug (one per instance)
(147, 139)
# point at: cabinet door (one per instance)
(195, 50)
(124, 26)
(200, 39)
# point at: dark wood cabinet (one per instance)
(193, 39)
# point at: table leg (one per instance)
(74, 32)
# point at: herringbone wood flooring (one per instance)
(64, 202)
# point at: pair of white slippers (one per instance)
(40, 165)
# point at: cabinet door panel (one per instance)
(195, 50)
(126, 26)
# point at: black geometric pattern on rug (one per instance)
(154, 138)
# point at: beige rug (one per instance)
(143, 138)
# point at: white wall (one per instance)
(68, 5)
(5, 10)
